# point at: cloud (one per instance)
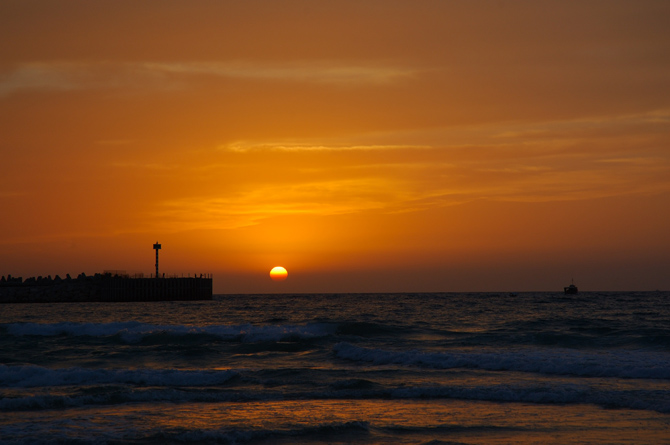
(38, 76)
(320, 71)
(388, 183)
(67, 76)
(570, 160)
(527, 138)
(259, 202)
(249, 146)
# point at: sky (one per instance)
(375, 146)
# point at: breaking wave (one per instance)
(619, 363)
(114, 387)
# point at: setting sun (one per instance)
(278, 273)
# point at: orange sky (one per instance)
(365, 146)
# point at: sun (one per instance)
(278, 273)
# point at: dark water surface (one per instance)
(343, 368)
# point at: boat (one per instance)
(572, 289)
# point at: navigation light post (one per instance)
(157, 248)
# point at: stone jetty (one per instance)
(104, 287)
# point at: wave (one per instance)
(36, 376)
(135, 332)
(579, 333)
(117, 396)
(540, 393)
(367, 329)
(621, 363)
(649, 339)
(354, 431)
(650, 400)
(327, 430)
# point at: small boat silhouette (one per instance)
(572, 289)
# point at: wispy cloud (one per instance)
(536, 138)
(40, 76)
(319, 71)
(385, 173)
(418, 184)
(66, 76)
(250, 146)
(259, 202)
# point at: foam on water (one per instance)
(619, 363)
(37, 388)
(546, 393)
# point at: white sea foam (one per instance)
(619, 363)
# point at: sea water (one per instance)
(428, 368)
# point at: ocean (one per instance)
(401, 368)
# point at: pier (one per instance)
(110, 286)
(105, 287)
